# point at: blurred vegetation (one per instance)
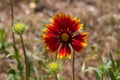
(101, 19)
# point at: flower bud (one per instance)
(19, 28)
(32, 5)
(54, 67)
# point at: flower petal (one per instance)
(63, 22)
(76, 26)
(77, 45)
(64, 51)
(52, 42)
(52, 29)
(81, 37)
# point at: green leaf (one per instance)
(108, 64)
(107, 67)
(113, 64)
(61, 78)
(91, 69)
(9, 55)
(18, 58)
(36, 73)
(97, 71)
(40, 48)
(118, 75)
(12, 71)
(112, 76)
(117, 52)
(118, 64)
(4, 45)
(97, 76)
(10, 77)
(42, 64)
(3, 36)
(17, 55)
(30, 66)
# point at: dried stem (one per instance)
(73, 65)
(56, 78)
(12, 17)
(25, 56)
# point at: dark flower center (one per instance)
(65, 37)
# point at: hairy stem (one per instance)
(73, 66)
(12, 17)
(25, 56)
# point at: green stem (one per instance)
(73, 65)
(25, 56)
(12, 16)
(102, 78)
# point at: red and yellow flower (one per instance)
(64, 34)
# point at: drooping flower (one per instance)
(64, 34)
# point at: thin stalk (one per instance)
(56, 78)
(25, 56)
(73, 65)
(12, 17)
(12, 23)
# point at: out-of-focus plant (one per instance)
(51, 68)
(91, 56)
(117, 52)
(101, 70)
(14, 74)
(112, 68)
(4, 44)
(115, 69)
(20, 28)
(3, 36)
(18, 74)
